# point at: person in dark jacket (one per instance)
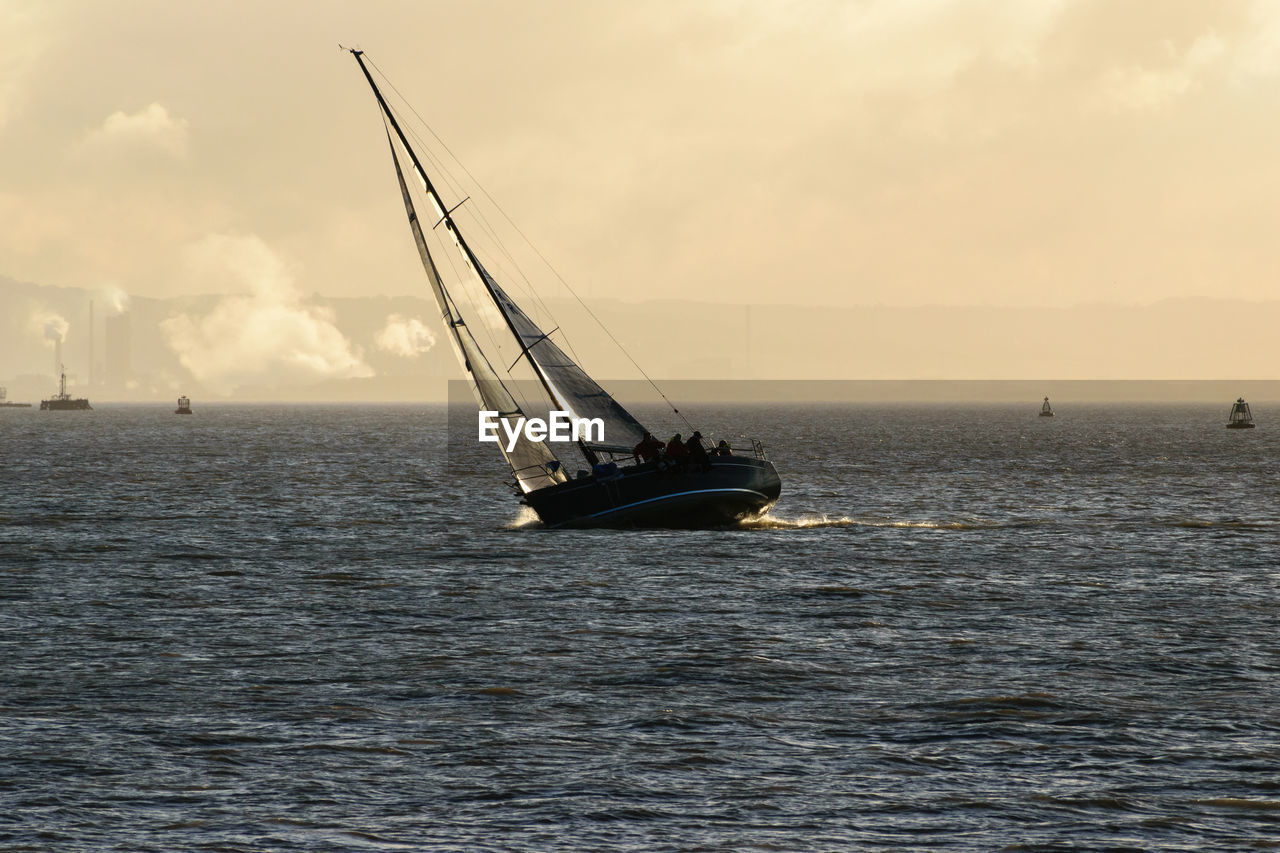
(677, 453)
(697, 453)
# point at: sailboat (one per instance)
(614, 488)
(1045, 410)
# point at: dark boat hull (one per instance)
(736, 488)
(1240, 426)
(65, 406)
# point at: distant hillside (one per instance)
(268, 346)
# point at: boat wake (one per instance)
(807, 522)
(769, 521)
(525, 520)
(528, 520)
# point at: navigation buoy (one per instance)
(1241, 417)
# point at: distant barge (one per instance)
(64, 402)
(5, 404)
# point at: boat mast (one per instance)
(447, 219)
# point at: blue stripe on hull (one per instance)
(757, 504)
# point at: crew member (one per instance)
(698, 453)
(647, 450)
(677, 452)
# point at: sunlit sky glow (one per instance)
(878, 152)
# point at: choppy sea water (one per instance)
(963, 628)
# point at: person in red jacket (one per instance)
(647, 450)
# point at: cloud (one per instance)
(1142, 88)
(24, 36)
(151, 129)
(268, 336)
(407, 337)
(1259, 53)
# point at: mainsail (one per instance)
(566, 384)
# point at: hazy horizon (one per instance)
(258, 346)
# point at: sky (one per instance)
(905, 152)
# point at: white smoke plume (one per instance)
(268, 336)
(116, 298)
(405, 336)
(49, 325)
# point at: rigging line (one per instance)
(454, 186)
(449, 310)
(536, 251)
(515, 272)
(481, 220)
(500, 271)
(492, 233)
(493, 251)
(514, 387)
(465, 281)
(489, 260)
(438, 165)
(468, 284)
(468, 287)
(472, 261)
(468, 349)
